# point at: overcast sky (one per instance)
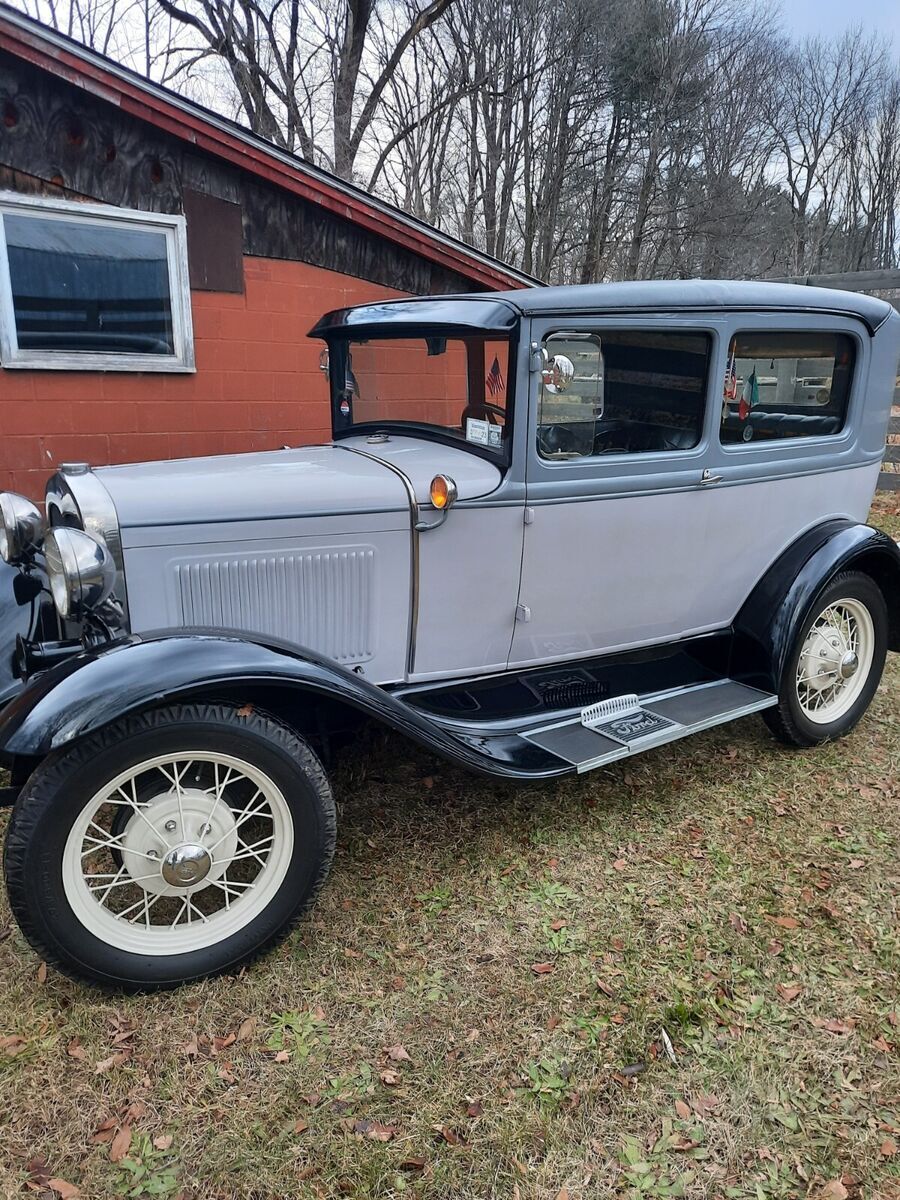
(827, 17)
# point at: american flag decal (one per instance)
(494, 379)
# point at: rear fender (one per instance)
(772, 615)
(97, 687)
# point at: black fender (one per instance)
(96, 687)
(771, 616)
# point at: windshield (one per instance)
(450, 386)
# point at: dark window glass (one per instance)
(784, 385)
(77, 285)
(621, 392)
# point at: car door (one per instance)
(619, 489)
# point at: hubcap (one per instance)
(178, 853)
(835, 660)
(185, 866)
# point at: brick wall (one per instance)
(257, 385)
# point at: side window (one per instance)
(783, 385)
(621, 392)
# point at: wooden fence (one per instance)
(889, 480)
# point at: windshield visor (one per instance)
(446, 387)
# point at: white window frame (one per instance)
(175, 230)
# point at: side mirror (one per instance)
(558, 372)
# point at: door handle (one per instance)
(708, 477)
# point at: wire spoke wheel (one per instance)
(835, 661)
(178, 852)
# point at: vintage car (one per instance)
(553, 528)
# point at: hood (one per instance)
(306, 482)
(309, 481)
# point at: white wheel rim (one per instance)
(835, 661)
(177, 853)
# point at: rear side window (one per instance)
(786, 385)
(617, 391)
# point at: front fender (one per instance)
(773, 613)
(99, 686)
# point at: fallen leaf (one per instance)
(787, 922)
(282, 1056)
(300, 1126)
(542, 968)
(450, 1136)
(105, 1132)
(114, 1060)
(620, 864)
(604, 987)
(855, 863)
(38, 1171)
(75, 1049)
(412, 1164)
(163, 1141)
(557, 925)
(475, 1109)
(683, 1109)
(374, 1130)
(13, 1044)
(191, 1049)
(737, 923)
(245, 710)
(246, 1029)
(562, 1194)
(397, 1054)
(704, 1104)
(120, 1144)
(42, 973)
(881, 1043)
(774, 947)
(834, 1190)
(389, 1078)
(833, 1025)
(66, 1191)
(789, 991)
(888, 1148)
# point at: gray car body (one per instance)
(537, 562)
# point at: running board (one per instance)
(624, 725)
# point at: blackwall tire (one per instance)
(237, 774)
(835, 664)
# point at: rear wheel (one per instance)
(177, 844)
(835, 665)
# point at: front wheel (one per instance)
(835, 664)
(177, 844)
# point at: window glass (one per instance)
(89, 286)
(621, 392)
(453, 386)
(783, 385)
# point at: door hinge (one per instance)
(529, 516)
(523, 613)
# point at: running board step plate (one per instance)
(626, 725)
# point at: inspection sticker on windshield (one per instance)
(483, 433)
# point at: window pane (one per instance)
(453, 386)
(782, 385)
(621, 392)
(89, 286)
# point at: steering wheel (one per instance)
(491, 413)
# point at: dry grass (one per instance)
(691, 890)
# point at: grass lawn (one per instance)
(675, 976)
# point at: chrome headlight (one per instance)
(80, 570)
(21, 526)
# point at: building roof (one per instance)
(499, 310)
(159, 106)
